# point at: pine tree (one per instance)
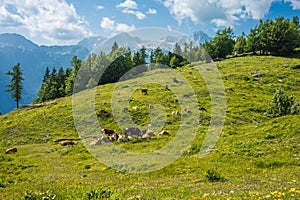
(16, 84)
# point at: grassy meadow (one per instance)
(256, 156)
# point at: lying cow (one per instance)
(11, 150)
(164, 133)
(147, 134)
(108, 131)
(66, 142)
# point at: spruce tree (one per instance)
(16, 84)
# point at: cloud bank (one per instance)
(55, 21)
(221, 12)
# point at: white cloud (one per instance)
(100, 7)
(130, 4)
(110, 25)
(152, 11)
(219, 12)
(54, 21)
(138, 14)
(130, 7)
(295, 4)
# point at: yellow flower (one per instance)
(292, 190)
(298, 191)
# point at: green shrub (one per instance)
(281, 104)
(98, 194)
(212, 175)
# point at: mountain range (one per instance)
(34, 59)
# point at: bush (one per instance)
(213, 175)
(281, 104)
(98, 194)
(295, 108)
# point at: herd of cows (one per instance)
(129, 133)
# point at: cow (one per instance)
(66, 142)
(175, 112)
(123, 138)
(135, 107)
(108, 131)
(151, 106)
(203, 109)
(164, 133)
(187, 110)
(144, 91)
(11, 150)
(147, 134)
(114, 137)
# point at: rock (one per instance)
(96, 142)
(105, 139)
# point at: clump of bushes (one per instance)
(212, 175)
(282, 104)
(99, 194)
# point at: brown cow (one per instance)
(108, 131)
(147, 134)
(187, 110)
(144, 91)
(11, 150)
(164, 133)
(66, 142)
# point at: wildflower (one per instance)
(292, 190)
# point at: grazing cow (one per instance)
(123, 138)
(96, 142)
(108, 131)
(187, 110)
(11, 150)
(144, 91)
(203, 109)
(66, 142)
(135, 107)
(133, 131)
(164, 133)
(175, 112)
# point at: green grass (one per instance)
(256, 157)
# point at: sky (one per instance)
(65, 22)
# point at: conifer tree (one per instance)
(16, 84)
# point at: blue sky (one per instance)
(57, 22)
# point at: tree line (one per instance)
(276, 37)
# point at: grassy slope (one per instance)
(256, 154)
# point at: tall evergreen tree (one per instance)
(177, 49)
(16, 84)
